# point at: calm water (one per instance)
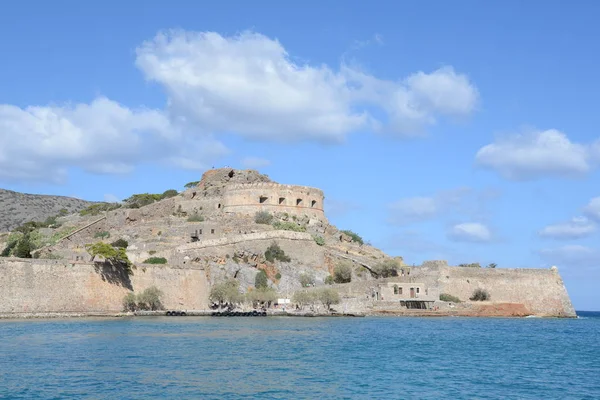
(297, 358)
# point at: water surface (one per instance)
(298, 358)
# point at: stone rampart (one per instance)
(541, 291)
(53, 286)
(267, 196)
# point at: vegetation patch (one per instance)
(227, 292)
(354, 236)
(288, 226)
(342, 273)
(155, 260)
(306, 279)
(195, 218)
(263, 217)
(320, 240)
(386, 269)
(122, 243)
(471, 265)
(149, 299)
(480, 295)
(449, 298)
(102, 235)
(274, 252)
(192, 184)
(97, 208)
(115, 256)
(261, 280)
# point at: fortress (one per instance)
(209, 233)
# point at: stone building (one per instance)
(408, 294)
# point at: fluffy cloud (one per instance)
(255, 162)
(470, 232)
(102, 137)
(577, 227)
(246, 85)
(536, 154)
(592, 209)
(572, 256)
(250, 85)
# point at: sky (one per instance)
(464, 131)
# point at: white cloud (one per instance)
(577, 227)
(470, 232)
(572, 256)
(41, 143)
(535, 154)
(255, 162)
(249, 84)
(592, 209)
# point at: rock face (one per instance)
(210, 233)
(17, 208)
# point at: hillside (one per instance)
(17, 208)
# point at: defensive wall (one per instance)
(275, 198)
(53, 286)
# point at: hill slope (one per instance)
(17, 208)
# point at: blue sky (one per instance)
(460, 131)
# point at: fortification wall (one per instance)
(267, 196)
(41, 286)
(541, 291)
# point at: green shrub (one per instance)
(195, 218)
(98, 208)
(169, 193)
(386, 269)
(155, 260)
(261, 280)
(354, 236)
(274, 252)
(191, 184)
(102, 235)
(306, 279)
(329, 280)
(130, 302)
(122, 243)
(449, 298)
(480, 295)
(320, 240)
(263, 217)
(328, 297)
(24, 248)
(8, 249)
(226, 292)
(288, 226)
(472, 265)
(278, 275)
(149, 299)
(152, 252)
(262, 296)
(304, 298)
(342, 273)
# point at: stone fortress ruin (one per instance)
(209, 233)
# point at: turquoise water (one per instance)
(298, 358)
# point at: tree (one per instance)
(492, 265)
(261, 280)
(24, 247)
(169, 193)
(306, 279)
(274, 252)
(354, 236)
(342, 273)
(121, 243)
(262, 296)
(116, 256)
(130, 302)
(303, 298)
(263, 217)
(386, 269)
(480, 295)
(226, 292)
(328, 297)
(149, 299)
(190, 185)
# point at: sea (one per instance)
(301, 358)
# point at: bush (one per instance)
(121, 243)
(261, 280)
(319, 240)
(142, 199)
(329, 280)
(191, 184)
(262, 296)
(169, 193)
(328, 297)
(149, 299)
(354, 236)
(288, 226)
(263, 217)
(386, 269)
(472, 265)
(226, 292)
(492, 265)
(195, 218)
(130, 302)
(102, 235)
(342, 273)
(98, 208)
(306, 280)
(24, 248)
(449, 298)
(480, 295)
(274, 252)
(278, 275)
(155, 260)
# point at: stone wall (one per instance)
(40, 286)
(267, 196)
(541, 291)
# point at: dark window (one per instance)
(281, 200)
(395, 289)
(212, 231)
(200, 231)
(262, 199)
(219, 206)
(418, 290)
(299, 202)
(400, 290)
